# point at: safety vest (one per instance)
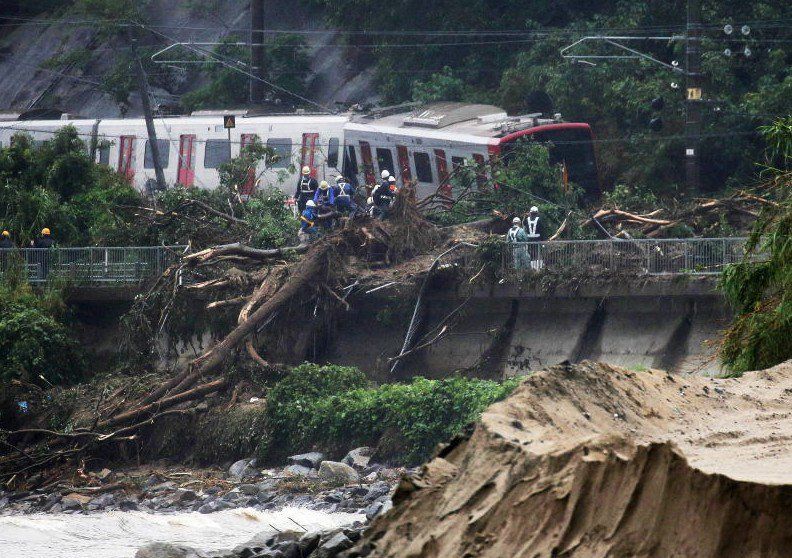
(343, 190)
(531, 228)
(511, 236)
(305, 185)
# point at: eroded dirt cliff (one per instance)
(592, 460)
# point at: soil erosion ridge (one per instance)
(592, 460)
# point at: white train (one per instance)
(424, 145)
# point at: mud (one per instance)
(593, 460)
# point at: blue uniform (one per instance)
(344, 192)
(324, 198)
(308, 221)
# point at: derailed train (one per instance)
(424, 145)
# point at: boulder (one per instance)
(74, 501)
(311, 459)
(167, 550)
(334, 471)
(249, 489)
(333, 546)
(243, 469)
(358, 457)
(298, 470)
(377, 490)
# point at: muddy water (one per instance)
(120, 534)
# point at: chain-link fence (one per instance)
(93, 265)
(643, 256)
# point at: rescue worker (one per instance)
(306, 188)
(324, 196)
(308, 230)
(6, 245)
(6, 242)
(43, 242)
(383, 196)
(533, 230)
(344, 196)
(515, 237)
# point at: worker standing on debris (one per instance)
(306, 188)
(344, 194)
(324, 196)
(515, 237)
(383, 196)
(308, 230)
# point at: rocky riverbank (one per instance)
(352, 486)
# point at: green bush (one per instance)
(35, 344)
(333, 409)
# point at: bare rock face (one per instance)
(166, 550)
(591, 460)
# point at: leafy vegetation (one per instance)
(760, 287)
(334, 408)
(286, 65)
(508, 53)
(55, 184)
(36, 345)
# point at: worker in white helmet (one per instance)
(306, 188)
(533, 230)
(308, 229)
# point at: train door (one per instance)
(250, 182)
(126, 157)
(186, 172)
(404, 164)
(442, 173)
(308, 152)
(368, 163)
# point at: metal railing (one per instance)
(92, 265)
(698, 256)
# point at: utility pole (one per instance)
(256, 50)
(145, 99)
(693, 96)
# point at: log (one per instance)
(239, 249)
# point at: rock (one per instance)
(169, 485)
(359, 457)
(331, 547)
(184, 496)
(3, 502)
(128, 505)
(311, 459)
(267, 485)
(74, 501)
(101, 502)
(377, 490)
(309, 542)
(249, 489)
(373, 510)
(298, 470)
(243, 468)
(333, 471)
(153, 480)
(167, 550)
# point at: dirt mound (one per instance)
(592, 460)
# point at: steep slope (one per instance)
(591, 460)
(51, 62)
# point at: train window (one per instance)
(385, 160)
(457, 163)
(423, 167)
(282, 148)
(351, 166)
(332, 153)
(217, 152)
(164, 153)
(104, 154)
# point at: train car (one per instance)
(426, 145)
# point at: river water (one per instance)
(119, 534)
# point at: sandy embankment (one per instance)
(591, 460)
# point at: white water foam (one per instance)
(119, 534)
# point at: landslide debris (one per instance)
(593, 460)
